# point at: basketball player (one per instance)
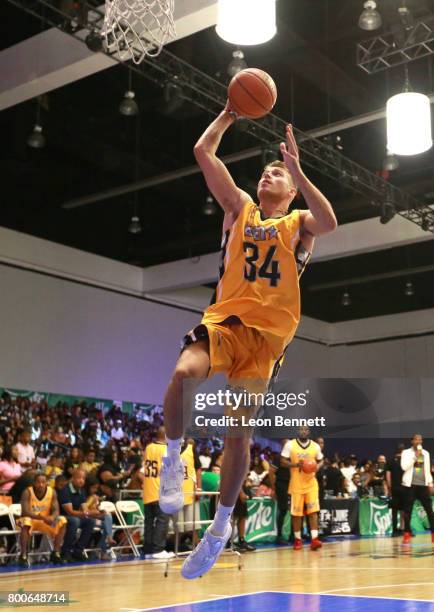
(40, 512)
(156, 521)
(303, 488)
(254, 315)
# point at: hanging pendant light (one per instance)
(246, 22)
(408, 117)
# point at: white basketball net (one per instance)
(138, 28)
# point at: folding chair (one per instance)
(127, 507)
(5, 511)
(16, 512)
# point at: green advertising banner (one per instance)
(261, 520)
(375, 517)
(419, 519)
(54, 398)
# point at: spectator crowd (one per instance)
(59, 462)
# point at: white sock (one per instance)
(174, 448)
(314, 533)
(221, 519)
(297, 535)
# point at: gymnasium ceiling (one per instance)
(91, 148)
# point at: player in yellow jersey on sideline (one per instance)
(255, 313)
(303, 487)
(40, 512)
(156, 521)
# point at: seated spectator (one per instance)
(72, 462)
(110, 475)
(205, 457)
(53, 469)
(104, 521)
(89, 465)
(10, 469)
(71, 499)
(137, 476)
(265, 489)
(258, 470)
(240, 516)
(26, 452)
(40, 512)
(117, 432)
(60, 482)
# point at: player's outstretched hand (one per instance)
(289, 152)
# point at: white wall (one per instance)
(63, 337)
(412, 357)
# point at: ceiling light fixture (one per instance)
(237, 64)
(246, 22)
(135, 225)
(346, 299)
(36, 139)
(129, 107)
(94, 41)
(408, 117)
(370, 19)
(409, 289)
(209, 208)
(388, 211)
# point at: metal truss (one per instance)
(210, 95)
(387, 50)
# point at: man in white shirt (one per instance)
(417, 483)
(117, 431)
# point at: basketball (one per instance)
(252, 93)
(308, 466)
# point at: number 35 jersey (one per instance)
(261, 262)
(153, 458)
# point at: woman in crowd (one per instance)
(10, 469)
(73, 461)
(110, 475)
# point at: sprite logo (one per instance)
(380, 519)
(261, 521)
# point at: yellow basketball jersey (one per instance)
(153, 457)
(41, 506)
(299, 481)
(261, 262)
(189, 474)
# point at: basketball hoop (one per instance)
(138, 28)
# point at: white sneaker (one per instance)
(205, 554)
(171, 486)
(163, 555)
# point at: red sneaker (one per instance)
(315, 544)
(298, 544)
(407, 537)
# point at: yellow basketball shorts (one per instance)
(239, 351)
(37, 525)
(304, 503)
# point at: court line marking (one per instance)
(378, 586)
(333, 594)
(186, 603)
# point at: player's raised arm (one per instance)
(320, 218)
(217, 177)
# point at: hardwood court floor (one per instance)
(352, 567)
